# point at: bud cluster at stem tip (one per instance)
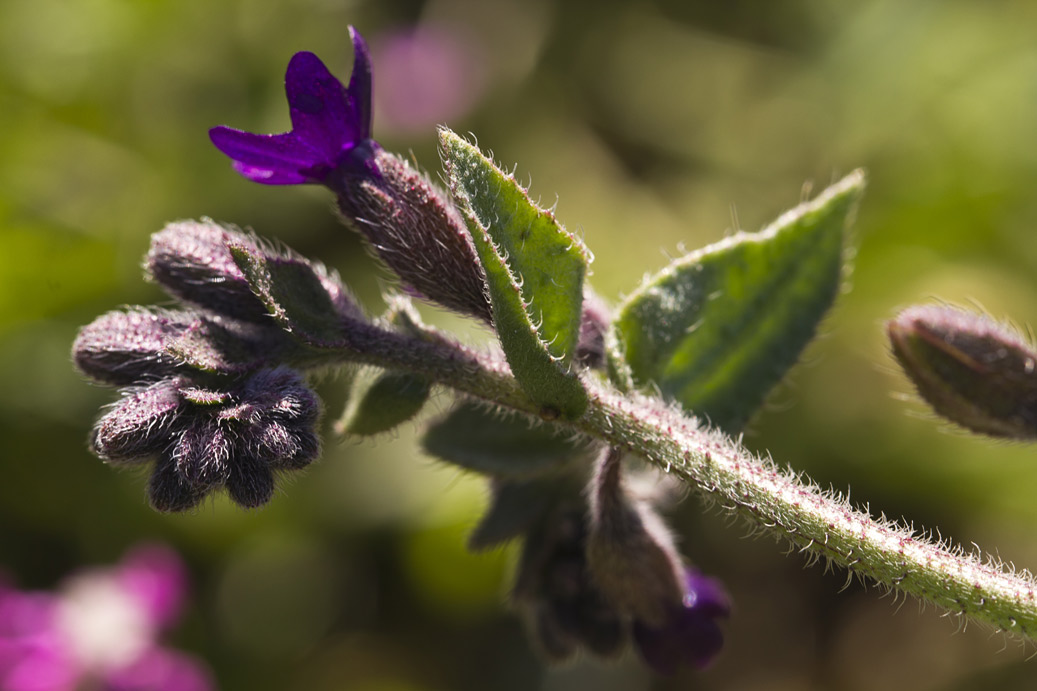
(210, 393)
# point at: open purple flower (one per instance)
(690, 635)
(331, 125)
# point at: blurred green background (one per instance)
(657, 125)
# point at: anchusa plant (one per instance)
(100, 630)
(583, 418)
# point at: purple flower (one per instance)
(408, 222)
(331, 125)
(99, 630)
(690, 635)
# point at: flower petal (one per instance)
(359, 91)
(272, 159)
(321, 112)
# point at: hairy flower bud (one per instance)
(594, 324)
(414, 228)
(138, 426)
(553, 582)
(193, 262)
(204, 439)
(972, 370)
(139, 345)
(630, 551)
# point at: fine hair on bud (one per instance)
(412, 226)
(630, 550)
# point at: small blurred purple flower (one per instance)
(331, 125)
(99, 630)
(691, 634)
(428, 75)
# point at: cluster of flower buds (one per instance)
(598, 567)
(209, 390)
(595, 574)
(99, 630)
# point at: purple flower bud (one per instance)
(139, 425)
(123, 348)
(142, 345)
(193, 262)
(690, 634)
(594, 323)
(330, 123)
(190, 260)
(415, 229)
(553, 583)
(972, 370)
(203, 439)
(630, 551)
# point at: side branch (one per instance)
(822, 523)
(818, 522)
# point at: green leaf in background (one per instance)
(534, 271)
(499, 444)
(383, 402)
(718, 328)
(514, 507)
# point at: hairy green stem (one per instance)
(822, 524)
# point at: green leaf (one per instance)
(383, 402)
(514, 507)
(293, 294)
(718, 328)
(534, 271)
(500, 444)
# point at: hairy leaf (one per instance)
(293, 294)
(384, 402)
(499, 444)
(718, 328)
(534, 271)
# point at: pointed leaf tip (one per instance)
(534, 271)
(718, 328)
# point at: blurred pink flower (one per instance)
(100, 630)
(427, 75)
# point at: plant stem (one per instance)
(822, 524)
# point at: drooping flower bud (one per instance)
(630, 551)
(972, 370)
(553, 583)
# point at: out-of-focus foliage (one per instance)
(656, 125)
